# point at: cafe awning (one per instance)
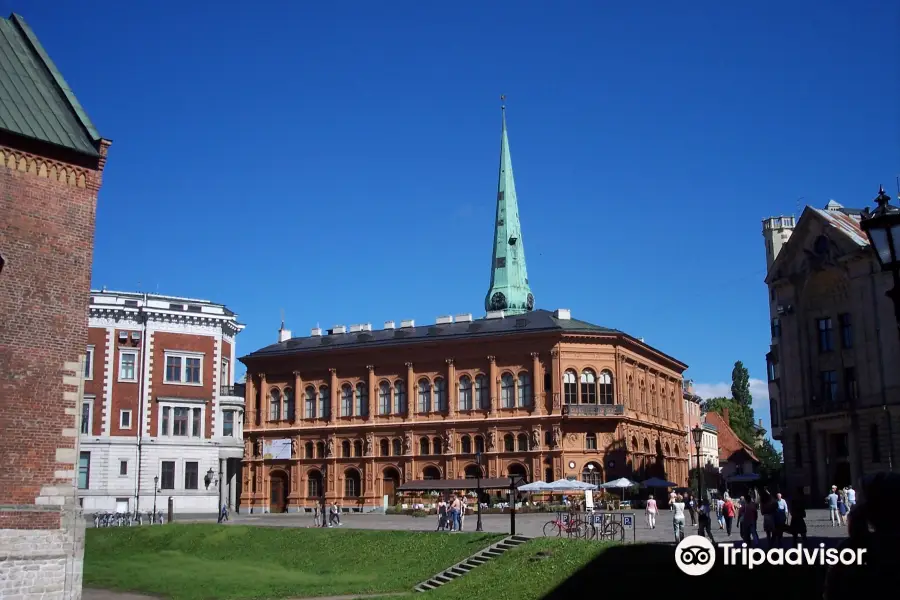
(438, 485)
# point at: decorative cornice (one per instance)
(492, 359)
(46, 168)
(409, 365)
(449, 361)
(535, 355)
(370, 368)
(333, 371)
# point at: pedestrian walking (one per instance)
(651, 510)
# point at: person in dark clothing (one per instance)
(798, 517)
(691, 506)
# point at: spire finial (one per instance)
(282, 318)
(502, 102)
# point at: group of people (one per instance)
(452, 515)
(839, 504)
(330, 515)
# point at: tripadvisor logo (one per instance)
(696, 555)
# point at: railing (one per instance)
(232, 390)
(593, 410)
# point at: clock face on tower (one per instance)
(529, 302)
(498, 301)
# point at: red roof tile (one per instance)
(729, 443)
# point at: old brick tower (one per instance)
(51, 163)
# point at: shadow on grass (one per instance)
(651, 569)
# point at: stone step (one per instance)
(445, 577)
(521, 539)
(458, 571)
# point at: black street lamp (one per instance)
(478, 491)
(324, 484)
(883, 229)
(155, 489)
(698, 438)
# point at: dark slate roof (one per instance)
(35, 100)
(534, 321)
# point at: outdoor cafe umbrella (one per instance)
(570, 485)
(656, 482)
(537, 486)
(622, 483)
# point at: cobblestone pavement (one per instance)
(528, 524)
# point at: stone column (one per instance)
(333, 393)
(372, 391)
(299, 403)
(494, 382)
(263, 402)
(555, 382)
(452, 389)
(250, 400)
(537, 383)
(411, 398)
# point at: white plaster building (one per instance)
(160, 402)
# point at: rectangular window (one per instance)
(829, 386)
(84, 471)
(826, 343)
(851, 389)
(165, 420)
(191, 472)
(183, 369)
(846, 330)
(225, 372)
(228, 423)
(125, 419)
(87, 409)
(128, 365)
(776, 328)
(167, 475)
(89, 363)
(195, 426)
(180, 421)
(123, 467)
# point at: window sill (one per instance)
(184, 383)
(126, 381)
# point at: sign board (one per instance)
(588, 501)
(277, 449)
(628, 521)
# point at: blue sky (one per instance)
(339, 161)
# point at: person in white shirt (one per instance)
(651, 512)
(678, 519)
(720, 505)
(851, 496)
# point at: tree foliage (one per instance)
(740, 385)
(770, 459)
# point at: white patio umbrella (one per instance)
(621, 483)
(570, 485)
(536, 486)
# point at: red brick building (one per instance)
(735, 456)
(51, 166)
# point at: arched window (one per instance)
(362, 399)
(646, 446)
(399, 397)
(465, 393)
(274, 404)
(517, 470)
(309, 450)
(345, 449)
(320, 449)
(570, 387)
(310, 402)
(509, 443)
(385, 448)
(324, 402)
(473, 472)
(607, 396)
(397, 447)
(588, 387)
(465, 443)
(522, 442)
(634, 444)
(357, 448)
(592, 473)
(352, 484)
(314, 484)
(798, 450)
(440, 394)
(346, 400)
(424, 396)
(424, 446)
(479, 444)
(436, 445)
(431, 473)
(482, 392)
(384, 398)
(525, 398)
(507, 391)
(289, 407)
(590, 441)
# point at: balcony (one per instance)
(593, 410)
(236, 391)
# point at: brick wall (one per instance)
(174, 342)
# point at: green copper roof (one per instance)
(35, 100)
(509, 289)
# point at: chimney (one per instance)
(689, 386)
(388, 324)
(283, 334)
(726, 417)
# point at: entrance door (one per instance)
(391, 483)
(278, 491)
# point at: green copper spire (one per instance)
(509, 289)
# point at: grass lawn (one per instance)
(195, 561)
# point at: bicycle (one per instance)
(573, 526)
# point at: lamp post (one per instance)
(698, 437)
(155, 489)
(882, 227)
(324, 484)
(478, 491)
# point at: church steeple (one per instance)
(509, 289)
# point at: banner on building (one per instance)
(277, 449)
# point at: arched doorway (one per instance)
(592, 473)
(473, 472)
(431, 473)
(279, 484)
(389, 484)
(517, 470)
